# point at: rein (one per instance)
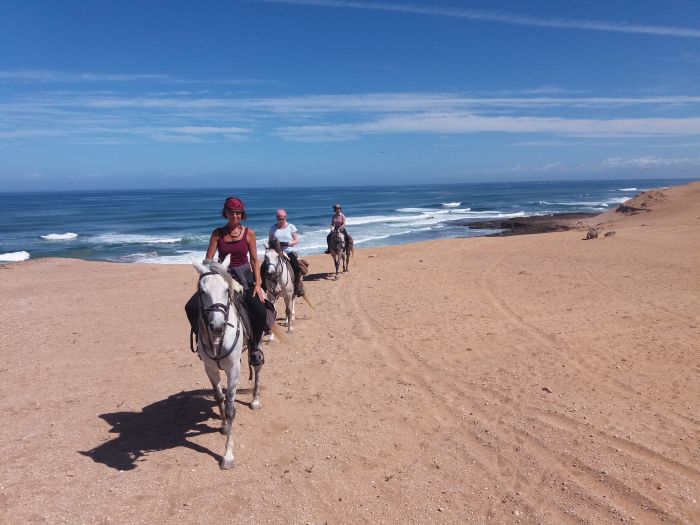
(226, 310)
(274, 279)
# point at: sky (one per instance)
(123, 94)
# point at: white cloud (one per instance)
(43, 76)
(38, 75)
(111, 118)
(501, 17)
(650, 162)
(460, 123)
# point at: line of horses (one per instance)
(223, 335)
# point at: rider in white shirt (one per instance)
(288, 237)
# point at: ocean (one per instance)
(173, 226)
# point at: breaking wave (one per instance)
(14, 256)
(59, 236)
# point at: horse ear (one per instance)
(226, 261)
(199, 266)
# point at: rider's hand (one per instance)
(258, 292)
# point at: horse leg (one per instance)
(233, 374)
(215, 378)
(289, 311)
(255, 404)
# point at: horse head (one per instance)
(215, 291)
(338, 241)
(273, 252)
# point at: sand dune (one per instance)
(531, 379)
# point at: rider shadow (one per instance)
(159, 426)
(321, 276)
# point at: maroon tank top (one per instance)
(238, 249)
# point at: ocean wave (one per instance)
(628, 189)
(451, 204)
(432, 210)
(14, 256)
(125, 238)
(155, 258)
(59, 236)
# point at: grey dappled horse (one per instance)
(279, 277)
(221, 337)
(340, 248)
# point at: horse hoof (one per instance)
(255, 404)
(226, 464)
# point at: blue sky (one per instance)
(133, 94)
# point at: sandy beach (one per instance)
(528, 379)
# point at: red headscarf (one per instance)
(234, 204)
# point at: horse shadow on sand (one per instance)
(162, 425)
(321, 276)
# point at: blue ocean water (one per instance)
(173, 226)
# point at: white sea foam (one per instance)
(14, 256)
(59, 236)
(628, 189)
(154, 258)
(432, 210)
(451, 204)
(125, 238)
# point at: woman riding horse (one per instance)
(337, 224)
(238, 241)
(288, 237)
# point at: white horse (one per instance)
(279, 277)
(220, 340)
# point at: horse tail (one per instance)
(278, 333)
(306, 298)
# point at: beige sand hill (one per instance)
(533, 379)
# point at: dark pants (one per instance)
(294, 260)
(254, 307)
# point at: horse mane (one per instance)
(275, 245)
(233, 285)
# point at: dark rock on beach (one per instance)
(536, 224)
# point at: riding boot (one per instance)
(298, 285)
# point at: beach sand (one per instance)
(529, 379)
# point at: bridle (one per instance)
(274, 279)
(216, 307)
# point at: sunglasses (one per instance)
(234, 212)
(281, 217)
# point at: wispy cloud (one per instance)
(465, 123)
(44, 76)
(500, 17)
(114, 118)
(651, 161)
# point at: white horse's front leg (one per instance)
(233, 376)
(255, 404)
(213, 373)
